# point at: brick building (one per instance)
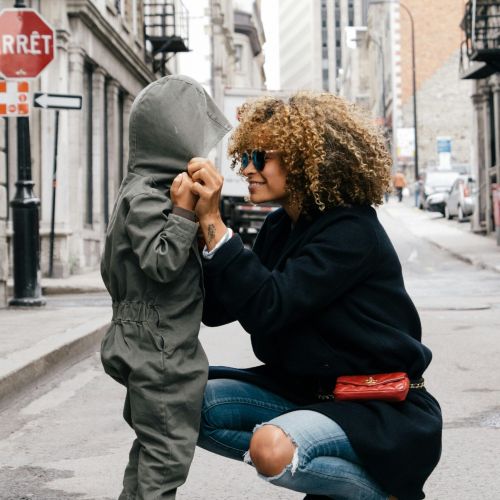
(443, 107)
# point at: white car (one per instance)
(436, 181)
(460, 202)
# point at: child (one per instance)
(152, 270)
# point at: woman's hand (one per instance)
(181, 193)
(207, 186)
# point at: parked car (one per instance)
(460, 202)
(436, 202)
(436, 181)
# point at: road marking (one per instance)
(413, 256)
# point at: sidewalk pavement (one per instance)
(35, 341)
(449, 235)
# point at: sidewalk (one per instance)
(34, 342)
(454, 237)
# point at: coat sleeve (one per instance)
(214, 309)
(264, 300)
(160, 240)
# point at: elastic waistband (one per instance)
(134, 311)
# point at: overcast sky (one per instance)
(270, 9)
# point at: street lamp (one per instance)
(414, 79)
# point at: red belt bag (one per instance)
(383, 387)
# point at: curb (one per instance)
(68, 289)
(478, 263)
(64, 289)
(69, 347)
(463, 257)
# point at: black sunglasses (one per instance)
(257, 157)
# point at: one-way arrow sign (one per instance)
(57, 101)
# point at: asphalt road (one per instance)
(66, 440)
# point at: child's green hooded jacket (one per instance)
(152, 270)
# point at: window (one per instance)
(121, 100)
(4, 150)
(89, 189)
(134, 8)
(364, 13)
(324, 43)
(238, 57)
(105, 180)
(493, 132)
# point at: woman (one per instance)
(321, 295)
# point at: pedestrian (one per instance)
(322, 296)
(419, 190)
(399, 183)
(152, 270)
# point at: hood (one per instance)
(172, 120)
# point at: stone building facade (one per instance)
(102, 54)
(479, 66)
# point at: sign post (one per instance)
(444, 151)
(26, 48)
(57, 102)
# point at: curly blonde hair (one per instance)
(332, 154)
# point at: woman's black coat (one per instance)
(323, 299)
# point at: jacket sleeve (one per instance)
(160, 241)
(264, 300)
(214, 310)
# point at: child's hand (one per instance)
(180, 192)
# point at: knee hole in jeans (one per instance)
(272, 451)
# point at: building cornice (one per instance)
(243, 24)
(91, 17)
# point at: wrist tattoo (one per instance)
(211, 233)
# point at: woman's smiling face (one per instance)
(269, 184)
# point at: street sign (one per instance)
(14, 98)
(26, 43)
(57, 101)
(443, 144)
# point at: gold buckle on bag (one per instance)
(418, 385)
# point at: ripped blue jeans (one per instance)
(324, 462)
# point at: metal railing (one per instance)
(166, 25)
(481, 25)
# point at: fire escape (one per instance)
(166, 31)
(480, 51)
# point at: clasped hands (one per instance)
(199, 190)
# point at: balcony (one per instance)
(480, 51)
(166, 30)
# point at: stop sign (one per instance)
(26, 43)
